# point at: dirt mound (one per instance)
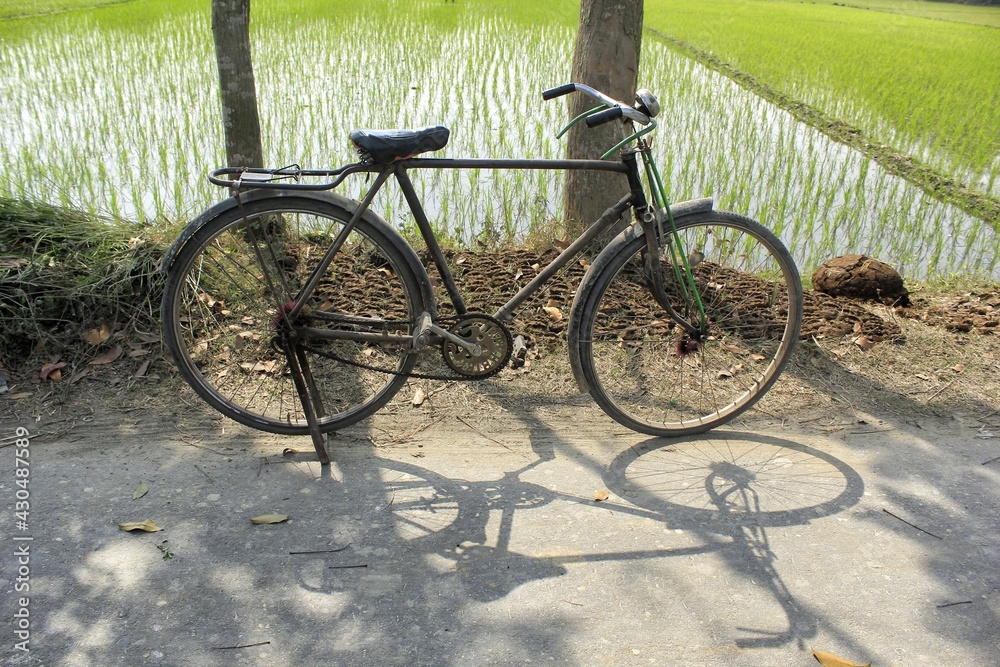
(485, 280)
(861, 277)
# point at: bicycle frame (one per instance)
(635, 199)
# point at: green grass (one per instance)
(941, 11)
(928, 88)
(22, 9)
(64, 271)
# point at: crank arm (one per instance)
(426, 327)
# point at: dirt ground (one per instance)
(509, 521)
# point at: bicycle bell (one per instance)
(646, 102)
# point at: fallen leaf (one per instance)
(269, 518)
(418, 397)
(111, 355)
(761, 357)
(140, 491)
(921, 376)
(601, 495)
(138, 353)
(260, 366)
(97, 336)
(958, 368)
(857, 327)
(864, 342)
(553, 312)
(146, 526)
(141, 371)
(52, 372)
(830, 660)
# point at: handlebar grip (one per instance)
(559, 91)
(602, 117)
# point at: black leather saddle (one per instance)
(385, 146)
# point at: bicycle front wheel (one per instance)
(646, 372)
(229, 290)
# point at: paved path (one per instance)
(481, 542)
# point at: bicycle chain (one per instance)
(456, 377)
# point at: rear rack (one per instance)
(245, 178)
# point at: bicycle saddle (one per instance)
(385, 146)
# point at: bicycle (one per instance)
(294, 310)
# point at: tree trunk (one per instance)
(606, 58)
(231, 29)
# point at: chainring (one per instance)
(494, 342)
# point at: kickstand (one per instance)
(309, 397)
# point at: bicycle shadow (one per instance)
(742, 489)
(752, 482)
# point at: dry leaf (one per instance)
(761, 357)
(138, 352)
(146, 526)
(830, 660)
(140, 491)
(52, 372)
(418, 397)
(553, 312)
(108, 357)
(958, 368)
(141, 372)
(921, 376)
(97, 336)
(864, 342)
(260, 366)
(269, 518)
(601, 495)
(857, 327)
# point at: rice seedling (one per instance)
(928, 88)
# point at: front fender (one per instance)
(679, 211)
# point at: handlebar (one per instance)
(621, 109)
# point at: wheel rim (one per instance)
(228, 319)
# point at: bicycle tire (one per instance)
(641, 367)
(229, 282)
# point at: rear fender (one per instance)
(345, 205)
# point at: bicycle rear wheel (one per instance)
(231, 284)
(646, 372)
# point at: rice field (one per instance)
(114, 110)
(921, 77)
